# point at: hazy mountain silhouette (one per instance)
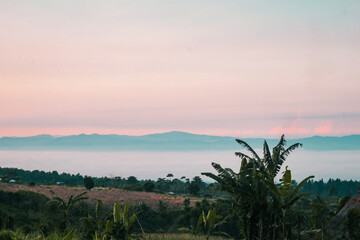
(169, 141)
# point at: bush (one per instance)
(7, 235)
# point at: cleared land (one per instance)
(108, 196)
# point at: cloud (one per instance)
(324, 127)
(294, 128)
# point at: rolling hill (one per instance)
(169, 141)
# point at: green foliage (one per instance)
(211, 222)
(67, 206)
(353, 223)
(194, 230)
(208, 223)
(149, 186)
(332, 187)
(41, 177)
(122, 225)
(20, 208)
(333, 192)
(341, 203)
(7, 235)
(37, 177)
(194, 188)
(251, 200)
(88, 183)
(95, 226)
(187, 202)
(259, 202)
(132, 180)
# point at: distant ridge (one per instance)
(168, 141)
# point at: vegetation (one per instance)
(260, 204)
(66, 206)
(88, 183)
(249, 204)
(178, 185)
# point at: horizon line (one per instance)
(174, 131)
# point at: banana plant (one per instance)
(283, 196)
(258, 201)
(211, 222)
(122, 225)
(66, 206)
(208, 223)
(194, 230)
(96, 226)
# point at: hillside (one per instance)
(107, 195)
(170, 141)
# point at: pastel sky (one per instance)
(236, 68)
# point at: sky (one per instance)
(228, 68)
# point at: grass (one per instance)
(10, 235)
(174, 236)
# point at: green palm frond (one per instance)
(286, 152)
(301, 184)
(247, 146)
(267, 154)
(213, 176)
(79, 197)
(243, 156)
(231, 172)
(222, 172)
(282, 142)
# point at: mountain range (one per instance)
(169, 141)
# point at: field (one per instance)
(168, 236)
(158, 236)
(107, 195)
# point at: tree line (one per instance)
(168, 183)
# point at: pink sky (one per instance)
(225, 68)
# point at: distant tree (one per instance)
(333, 192)
(176, 183)
(88, 183)
(194, 188)
(132, 180)
(148, 186)
(169, 183)
(199, 181)
(160, 183)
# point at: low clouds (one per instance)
(302, 127)
(324, 127)
(294, 128)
